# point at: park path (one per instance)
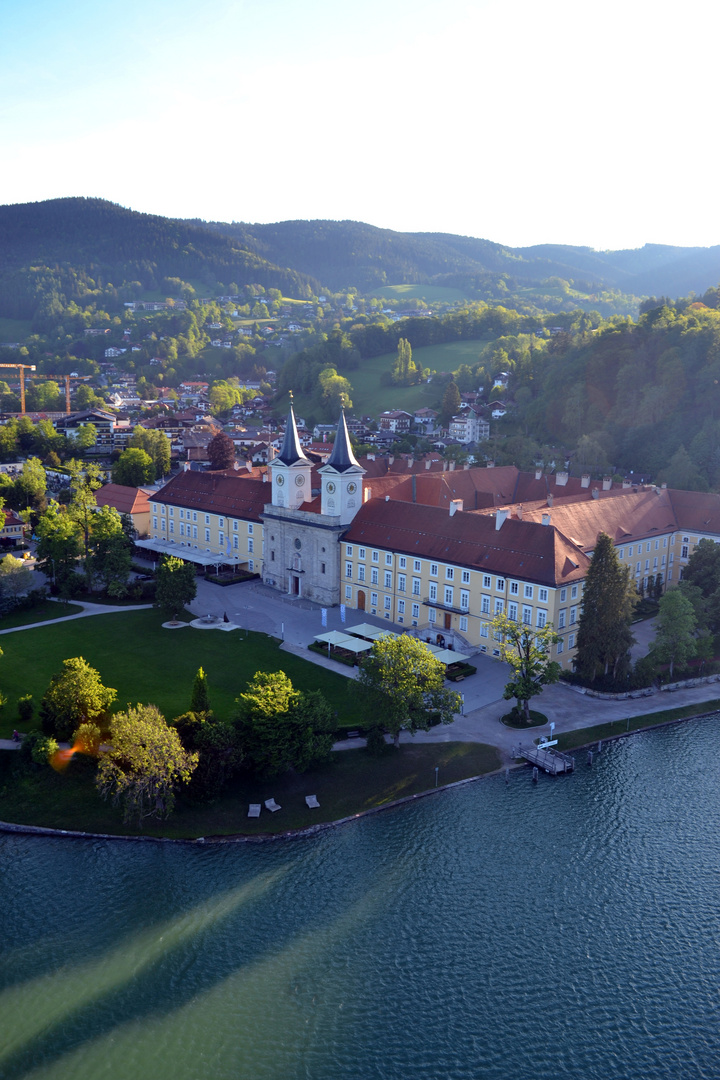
(88, 609)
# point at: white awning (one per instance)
(373, 632)
(202, 558)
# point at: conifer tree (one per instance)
(199, 701)
(609, 598)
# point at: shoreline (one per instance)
(11, 828)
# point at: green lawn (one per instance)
(352, 782)
(570, 740)
(429, 293)
(50, 609)
(146, 663)
(14, 329)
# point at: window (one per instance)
(637, 567)
(433, 569)
(499, 605)
(487, 583)
(485, 605)
(542, 596)
(194, 516)
(664, 541)
(361, 553)
(464, 599)
(657, 544)
(574, 592)
(401, 607)
(663, 561)
(527, 615)
(401, 582)
(561, 618)
(403, 563)
(154, 508)
(361, 573)
(541, 618)
(154, 523)
(221, 538)
(684, 551)
(251, 528)
(512, 612)
(647, 546)
(162, 510)
(388, 579)
(433, 592)
(182, 513)
(500, 584)
(449, 573)
(221, 523)
(182, 529)
(207, 519)
(484, 630)
(655, 563)
(236, 545)
(348, 569)
(630, 552)
(671, 558)
(172, 526)
(621, 553)
(171, 511)
(251, 565)
(416, 586)
(235, 527)
(251, 545)
(374, 576)
(514, 588)
(348, 550)
(571, 641)
(387, 603)
(448, 596)
(463, 624)
(416, 566)
(388, 558)
(376, 556)
(647, 564)
(373, 599)
(573, 615)
(563, 595)
(560, 646)
(466, 577)
(322, 567)
(528, 592)
(195, 536)
(348, 592)
(431, 615)
(207, 536)
(416, 611)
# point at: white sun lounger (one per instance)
(272, 805)
(312, 802)
(255, 808)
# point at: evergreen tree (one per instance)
(450, 404)
(609, 598)
(199, 701)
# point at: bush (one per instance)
(376, 745)
(25, 709)
(37, 748)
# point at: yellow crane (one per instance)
(23, 368)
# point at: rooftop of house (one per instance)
(126, 500)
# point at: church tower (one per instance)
(341, 478)
(290, 470)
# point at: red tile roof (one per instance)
(126, 500)
(217, 493)
(519, 549)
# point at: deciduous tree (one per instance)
(527, 650)
(75, 696)
(176, 585)
(15, 578)
(221, 451)
(404, 684)
(133, 468)
(144, 765)
(281, 728)
(675, 641)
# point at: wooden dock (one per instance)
(548, 759)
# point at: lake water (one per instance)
(497, 931)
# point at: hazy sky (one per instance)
(522, 122)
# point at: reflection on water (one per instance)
(565, 929)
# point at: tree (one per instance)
(281, 728)
(110, 551)
(609, 599)
(84, 482)
(405, 685)
(75, 696)
(199, 700)
(58, 545)
(527, 651)
(133, 468)
(450, 404)
(15, 578)
(218, 745)
(221, 451)
(176, 585)
(675, 640)
(156, 444)
(86, 437)
(145, 764)
(405, 371)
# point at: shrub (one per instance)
(37, 748)
(376, 745)
(25, 709)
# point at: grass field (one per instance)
(50, 609)
(352, 782)
(369, 396)
(146, 663)
(15, 329)
(431, 294)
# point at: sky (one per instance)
(586, 122)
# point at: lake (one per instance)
(499, 931)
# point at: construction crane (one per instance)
(23, 368)
(68, 379)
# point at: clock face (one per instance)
(280, 480)
(300, 480)
(352, 488)
(330, 488)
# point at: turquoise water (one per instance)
(499, 931)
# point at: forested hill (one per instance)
(66, 246)
(345, 253)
